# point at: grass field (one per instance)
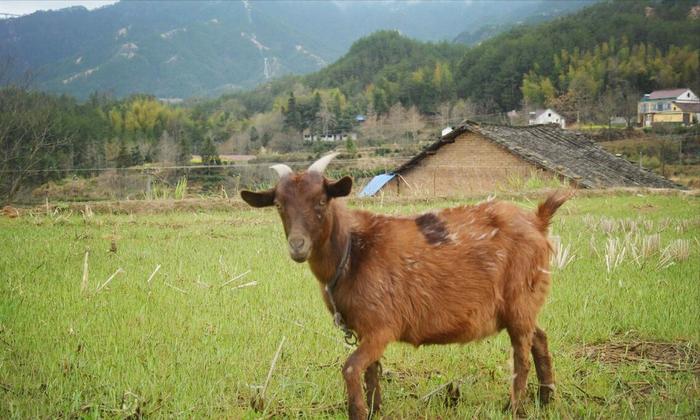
(625, 334)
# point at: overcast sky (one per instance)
(23, 7)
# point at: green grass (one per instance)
(202, 350)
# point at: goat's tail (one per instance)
(546, 210)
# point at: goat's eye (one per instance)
(322, 202)
(278, 205)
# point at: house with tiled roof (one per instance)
(480, 158)
(669, 106)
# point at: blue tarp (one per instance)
(376, 184)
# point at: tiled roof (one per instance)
(688, 106)
(668, 93)
(564, 152)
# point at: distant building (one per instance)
(617, 121)
(670, 106)
(546, 116)
(330, 137)
(478, 158)
(171, 101)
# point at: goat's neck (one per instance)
(326, 256)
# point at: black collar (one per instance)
(330, 286)
(350, 337)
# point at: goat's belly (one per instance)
(441, 330)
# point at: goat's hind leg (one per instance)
(543, 365)
(522, 345)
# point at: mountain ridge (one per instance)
(184, 49)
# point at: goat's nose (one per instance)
(296, 243)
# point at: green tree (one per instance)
(209, 154)
(311, 114)
(266, 137)
(136, 157)
(253, 135)
(292, 117)
(123, 159)
(350, 146)
(379, 102)
(184, 152)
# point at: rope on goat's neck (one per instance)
(350, 336)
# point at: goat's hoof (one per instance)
(357, 413)
(373, 412)
(452, 395)
(546, 393)
(519, 412)
(374, 409)
(374, 402)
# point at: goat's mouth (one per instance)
(299, 256)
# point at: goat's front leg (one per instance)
(374, 396)
(369, 351)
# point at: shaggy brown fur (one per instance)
(450, 276)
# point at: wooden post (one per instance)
(434, 176)
(149, 181)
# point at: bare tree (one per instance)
(28, 133)
(462, 110)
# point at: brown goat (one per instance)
(452, 276)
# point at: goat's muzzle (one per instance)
(299, 248)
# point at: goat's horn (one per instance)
(282, 169)
(320, 165)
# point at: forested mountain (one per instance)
(187, 48)
(636, 46)
(387, 67)
(493, 71)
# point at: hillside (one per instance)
(184, 48)
(637, 47)
(173, 49)
(394, 66)
(523, 13)
(493, 71)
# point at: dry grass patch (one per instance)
(666, 356)
(9, 211)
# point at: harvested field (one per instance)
(181, 312)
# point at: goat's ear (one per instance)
(259, 199)
(339, 188)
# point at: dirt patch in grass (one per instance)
(644, 207)
(667, 356)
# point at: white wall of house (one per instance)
(687, 96)
(548, 116)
